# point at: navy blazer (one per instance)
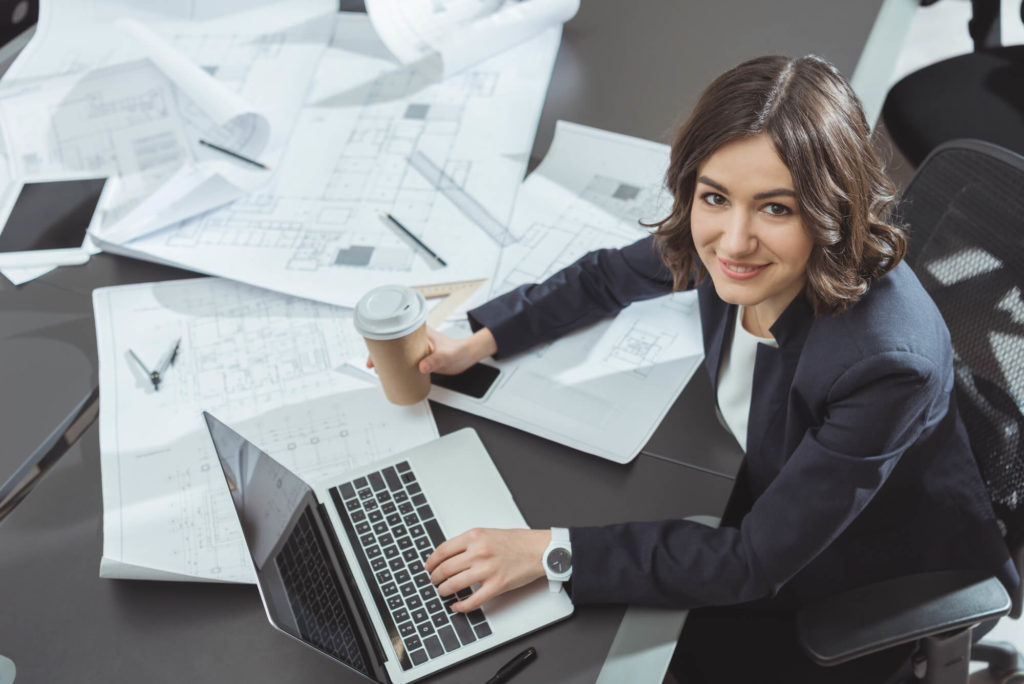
(857, 469)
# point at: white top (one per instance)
(736, 378)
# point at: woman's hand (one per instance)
(450, 356)
(499, 560)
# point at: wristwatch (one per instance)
(558, 558)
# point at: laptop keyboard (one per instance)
(314, 594)
(393, 530)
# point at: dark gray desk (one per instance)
(628, 67)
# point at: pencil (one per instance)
(416, 240)
(233, 154)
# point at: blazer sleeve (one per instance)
(597, 285)
(876, 410)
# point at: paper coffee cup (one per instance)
(392, 321)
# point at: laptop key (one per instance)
(391, 551)
(403, 467)
(434, 605)
(417, 531)
(461, 624)
(376, 516)
(376, 481)
(410, 556)
(414, 602)
(408, 477)
(373, 552)
(406, 508)
(464, 594)
(378, 564)
(407, 629)
(386, 540)
(415, 566)
(394, 520)
(418, 656)
(396, 564)
(383, 576)
(422, 579)
(412, 642)
(401, 496)
(434, 531)
(362, 528)
(358, 516)
(359, 482)
(389, 589)
(422, 543)
(419, 615)
(380, 528)
(414, 488)
(425, 630)
(391, 477)
(428, 592)
(404, 542)
(439, 620)
(476, 616)
(419, 500)
(347, 490)
(402, 576)
(410, 519)
(433, 646)
(482, 630)
(395, 602)
(448, 638)
(400, 615)
(384, 496)
(408, 589)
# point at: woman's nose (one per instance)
(737, 234)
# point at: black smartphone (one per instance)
(473, 382)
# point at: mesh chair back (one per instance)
(965, 211)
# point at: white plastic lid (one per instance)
(389, 312)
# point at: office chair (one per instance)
(965, 210)
(978, 95)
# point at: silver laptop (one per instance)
(339, 562)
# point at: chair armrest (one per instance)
(886, 614)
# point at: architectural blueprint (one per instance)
(272, 366)
(136, 98)
(317, 233)
(590, 192)
(447, 36)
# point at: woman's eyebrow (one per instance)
(717, 186)
(786, 192)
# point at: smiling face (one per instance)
(748, 231)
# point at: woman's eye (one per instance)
(776, 209)
(713, 198)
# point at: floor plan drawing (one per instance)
(269, 365)
(316, 231)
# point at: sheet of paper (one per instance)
(589, 192)
(272, 366)
(448, 36)
(317, 231)
(237, 82)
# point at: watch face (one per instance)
(560, 560)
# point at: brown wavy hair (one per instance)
(819, 130)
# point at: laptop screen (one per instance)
(298, 578)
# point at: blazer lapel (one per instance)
(774, 369)
(716, 319)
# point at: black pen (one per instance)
(233, 154)
(416, 239)
(509, 669)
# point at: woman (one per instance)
(831, 365)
